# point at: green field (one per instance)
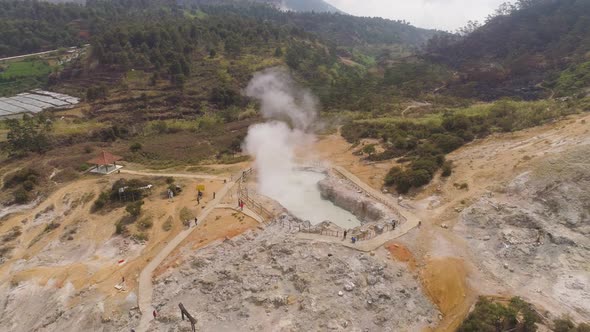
(22, 75)
(24, 69)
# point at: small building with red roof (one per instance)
(105, 163)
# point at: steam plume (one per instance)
(291, 114)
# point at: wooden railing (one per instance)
(253, 205)
(365, 235)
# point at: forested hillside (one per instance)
(27, 27)
(32, 26)
(319, 6)
(343, 30)
(519, 47)
(173, 70)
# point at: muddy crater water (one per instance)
(304, 200)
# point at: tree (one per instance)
(225, 96)
(31, 134)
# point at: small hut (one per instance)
(105, 163)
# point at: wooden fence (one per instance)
(244, 197)
(360, 235)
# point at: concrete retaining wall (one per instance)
(364, 208)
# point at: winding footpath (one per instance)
(146, 287)
(175, 175)
(412, 221)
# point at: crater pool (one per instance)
(301, 196)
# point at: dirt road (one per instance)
(415, 104)
(175, 175)
(145, 289)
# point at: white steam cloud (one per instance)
(281, 99)
(291, 114)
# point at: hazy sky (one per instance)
(439, 14)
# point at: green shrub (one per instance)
(489, 316)
(20, 196)
(403, 184)
(167, 225)
(25, 174)
(392, 175)
(131, 190)
(28, 185)
(121, 228)
(574, 79)
(369, 149)
(447, 143)
(565, 324)
(101, 201)
(135, 147)
(419, 177)
(464, 186)
(186, 214)
(141, 237)
(134, 209)
(429, 165)
(447, 169)
(169, 180)
(51, 226)
(145, 223)
(83, 167)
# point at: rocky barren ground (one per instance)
(533, 234)
(267, 280)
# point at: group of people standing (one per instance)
(354, 238)
(187, 222)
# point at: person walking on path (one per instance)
(213, 195)
(195, 221)
(155, 314)
(345, 233)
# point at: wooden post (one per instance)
(184, 312)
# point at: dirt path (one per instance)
(175, 175)
(245, 211)
(145, 289)
(450, 274)
(411, 219)
(415, 104)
